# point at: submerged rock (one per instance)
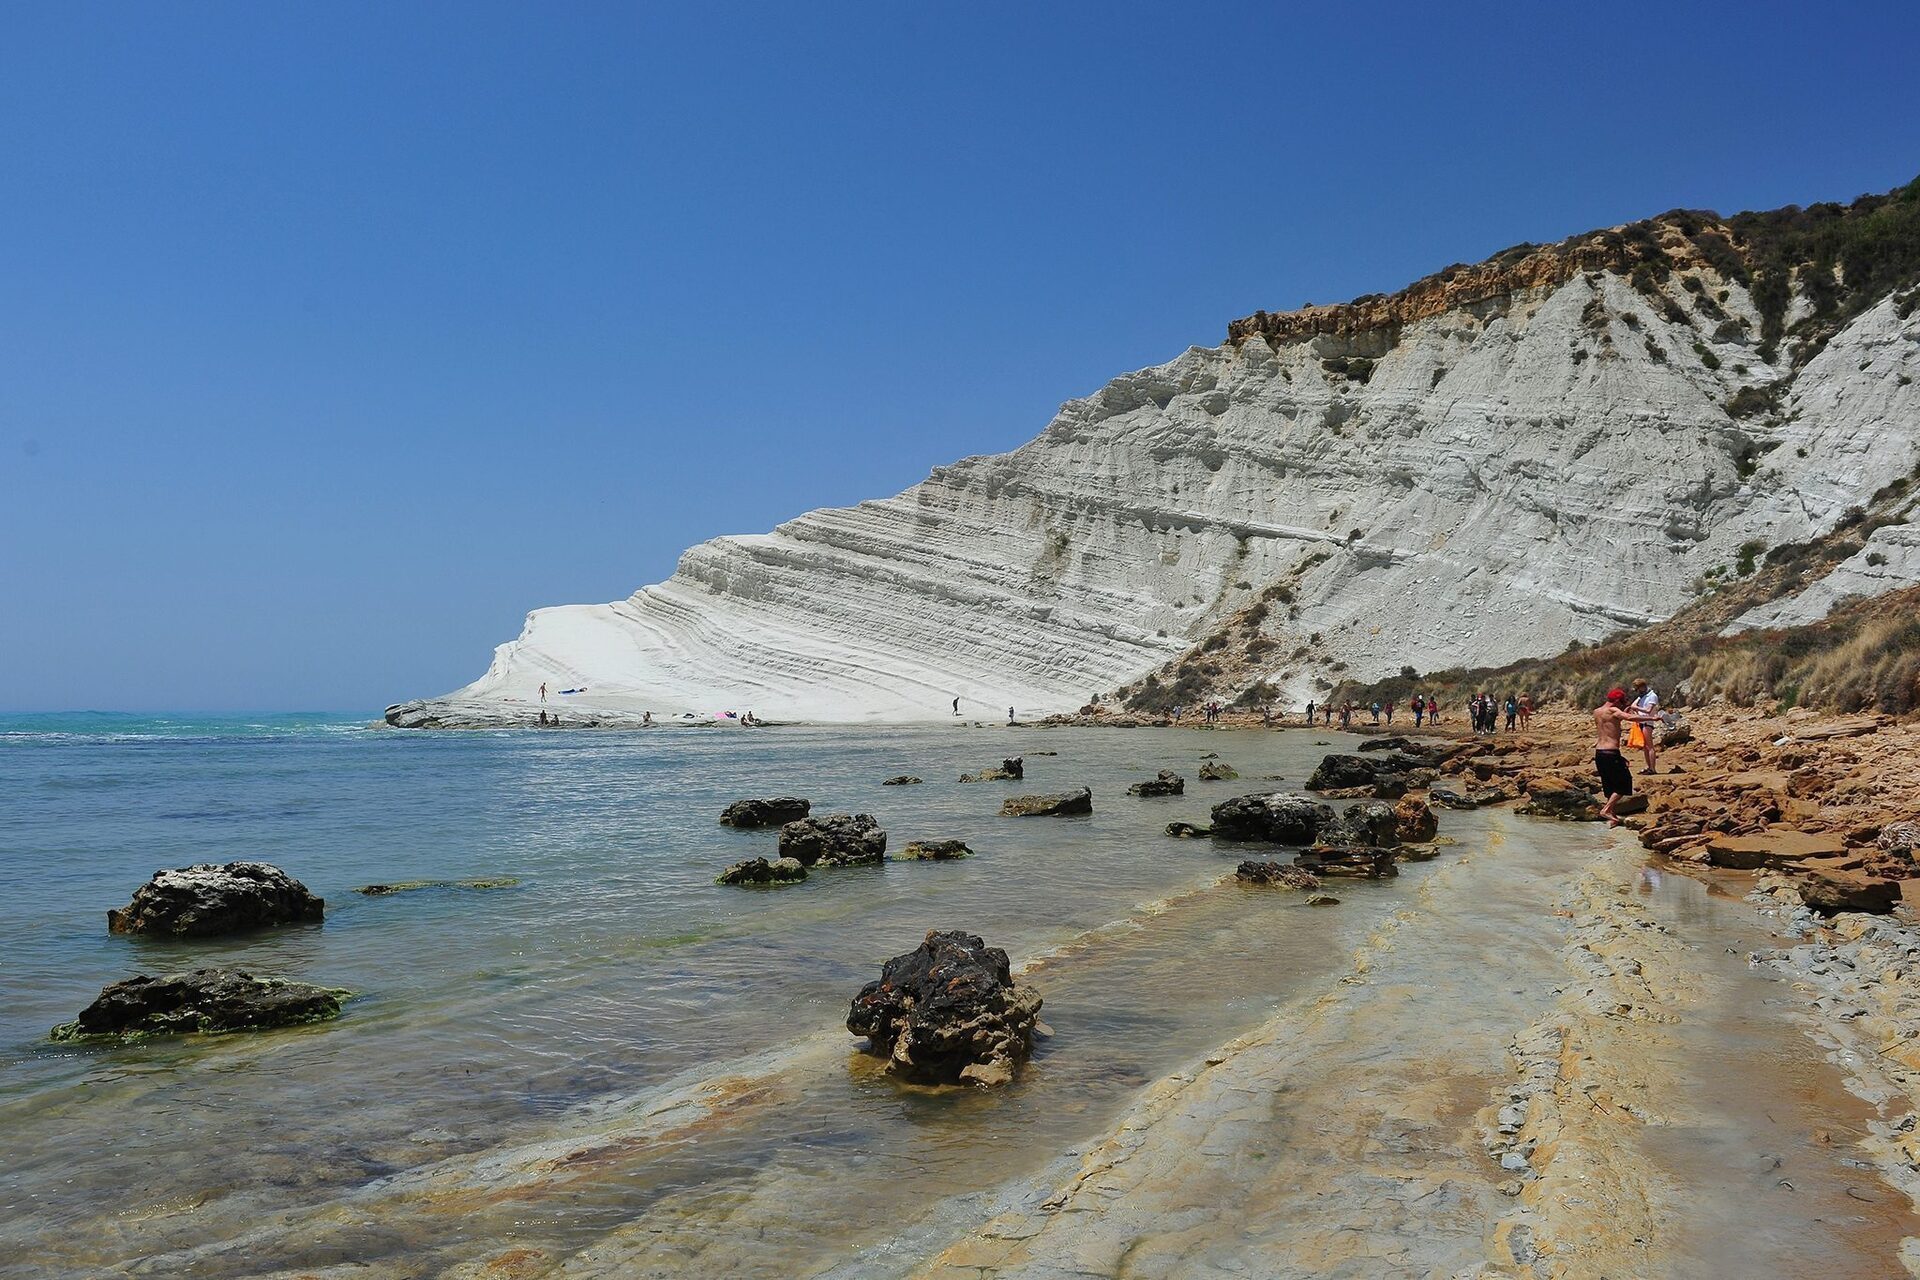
(1448, 798)
(205, 1001)
(410, 886)
(1058, 804)
(1278, 874)
(775, 811)
(837, 840)
(1187, 831)
(205, 900)
(1362, 864)
(1218, 771)
(948, 1011)
(1010, 770)
(761, 871)
(901, 780)
(1282, 819)
(933, 851)
(1168, 783)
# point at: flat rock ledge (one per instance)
(1277, 874)
(933, 851)
(759, 871)
(207, 901)
(836, 840)
(202, 1002)
(948, 1012)
(1059, 804)
(774, 811)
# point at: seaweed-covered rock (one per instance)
(1218, 771)
(948, 1011)
(933, 851)
(761, 871)
(1277, 874)
(413, 886)
(1010, 770)
(1058, 804)
(205, 1001)
(205, 900)
(1187, 831)
(775, 811)
(1282, 819)
(1168, 783)
(901, 780)
(1414, 821)
(837, 840)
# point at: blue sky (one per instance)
(333, 338)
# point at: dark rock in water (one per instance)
(1360, 864)
(1489, 795)
(1187, 831)
(1211, 755)
(1277, 874)
(1835, 891)
(901, 780)
(1323, 900)
(1387, 742)
(933, 851)
(1448, 798)
(760, 871)
(1168, 783)
(204, 901)
(1414, 821)
(1371, 824)
(410, 886)
(1059, 804)
(774, 812)
(1281, 819)
(1417, 852)
(837, 840)
(1218, 771)
(204, 1001)
(948, 1011)
(1338, 771)
(1012, 770)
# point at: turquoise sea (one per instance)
(613, 996)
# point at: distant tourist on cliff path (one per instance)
(543, 691)
(1526, 709)
(1419, 709)
(1616, 779)
(956, 706)
(1009, 715)
(1309, 714)
(1513, 711)
(1433, 710)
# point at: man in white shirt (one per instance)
(1645, 736)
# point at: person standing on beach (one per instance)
(1646, 736)
(1419, 709)
(1433, 710)
(1526, 709)
(543, 691)
(1309, 713)
(1513, 711)
(1389, 711)
(1616, 779)
(956, 706)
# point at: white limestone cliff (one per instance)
(1511, 475)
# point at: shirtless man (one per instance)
(1616, 779)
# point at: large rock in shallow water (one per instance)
(205, 1001)
(1279, 818)
(1372, 824)
(1168, 783)
(1415, 821)
(933, 851)
(1060, 804)
(776, 811)
(837, 840)
(948, 1011)
(204, 901)
(760, 871)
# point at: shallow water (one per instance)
(614, 972)
(616, 1067)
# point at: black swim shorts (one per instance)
(1615, 778)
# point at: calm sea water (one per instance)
(615, 1000)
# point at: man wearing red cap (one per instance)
(1616, 779)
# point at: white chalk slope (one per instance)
(1514, 475)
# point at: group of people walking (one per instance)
(1486, 712)
(1422, 706)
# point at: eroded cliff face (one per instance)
(1488, 466)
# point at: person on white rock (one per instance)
(543, 691)
(956, 706)
(1009, 715)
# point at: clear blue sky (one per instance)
(334, 337)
